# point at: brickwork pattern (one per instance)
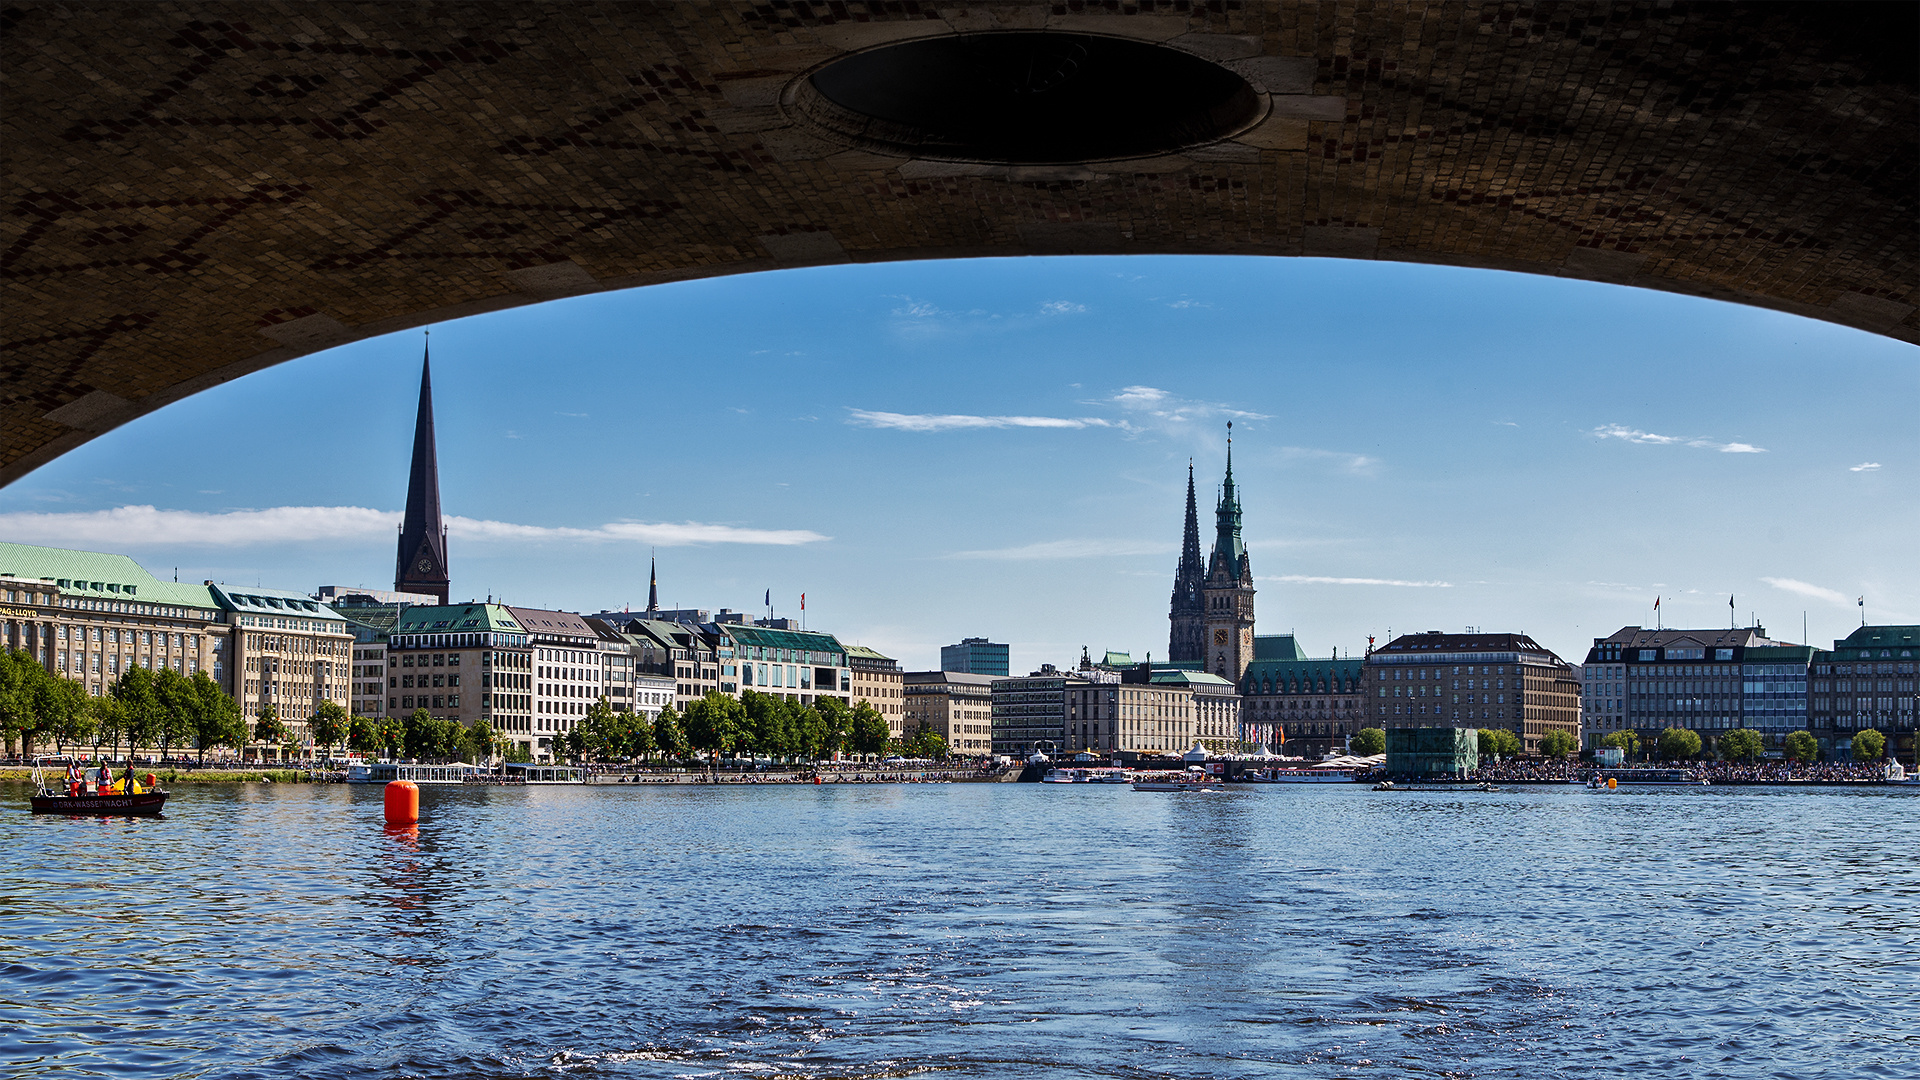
(195, 191)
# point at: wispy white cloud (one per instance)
(964, 422)
(1062, 307)
(1309, 579)
(147, 526)
(1809, 590)
(1070, 549)
(1648, 438)
(1149, 408)
(1865, 466)
(1358, 464)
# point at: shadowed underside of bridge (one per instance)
(198, 191)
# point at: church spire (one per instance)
(653, 587)
(1227, 544)
(421, 564)
(1187, 611)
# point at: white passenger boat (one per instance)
(1086, 775)
(385, 772)
(1310, 776)
(514, 772)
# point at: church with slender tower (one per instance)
(421, 565)
(1212, 609)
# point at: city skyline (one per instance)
(1532, 492)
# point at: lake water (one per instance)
(965, 930)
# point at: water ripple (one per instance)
(964, 930)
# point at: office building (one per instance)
(1030, 712)
(975, 656)
(1647, 680)
(955, 705)
(877, 681)
(1867, 680)
(465, 663)
(1473, 681)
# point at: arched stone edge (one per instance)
(93, 416)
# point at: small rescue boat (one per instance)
(86, 799)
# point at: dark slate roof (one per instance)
(1639, 637)
(554, 623)
(1415, 644)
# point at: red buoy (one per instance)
(403, 803)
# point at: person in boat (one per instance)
(74, 779)
(128, 785)
(105, 779)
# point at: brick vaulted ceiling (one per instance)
(195, 191)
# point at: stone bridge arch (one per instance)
(196, 191)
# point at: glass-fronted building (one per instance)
(976, 656)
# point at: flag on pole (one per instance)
(769, 600)
(803, 601)
(1656, 603)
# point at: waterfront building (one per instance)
(1214, 705)
(1473, 681)
(89, 616)
(368, 680)
(420, 566)
(1030, 712)
(877, 680)
(371, 619)
(1774, 690)
(684, 653)
(1646, 681)
(627, 676)
(1310, 707)
(567, 671)
(1867, 680)
(286, 650)
(799, 665)
(976, 656)
(465, 662)
(955, 705)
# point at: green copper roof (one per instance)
(99, 575)
(273, 603)
(865, 653)
(1283, 672)
(457, 619)
(1178, 677)
(1277, 647)
(1896, 640)
(1117, 659)
(762, 637)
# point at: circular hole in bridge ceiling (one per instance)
(1027, 98)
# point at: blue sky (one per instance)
(999, 447)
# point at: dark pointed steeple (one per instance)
(421, 565)
(1187, 612)
(653, 587)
